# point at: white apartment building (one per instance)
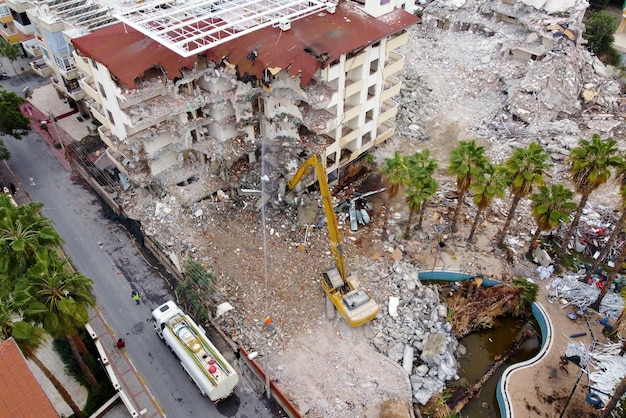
(45, 29)
(321, 83)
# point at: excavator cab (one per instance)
(355, 305)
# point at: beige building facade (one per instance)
(322, 84)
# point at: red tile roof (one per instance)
(312, 42)
(20, 393)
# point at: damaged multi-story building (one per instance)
(546, 22)
(185, 95)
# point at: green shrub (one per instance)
(599, 32)
(95, 399)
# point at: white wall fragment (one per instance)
(393, 306)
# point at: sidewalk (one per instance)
(56, 122)
(122, 373)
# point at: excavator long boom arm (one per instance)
(331, 220)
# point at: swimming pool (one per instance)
(540, 315)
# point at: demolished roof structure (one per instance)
(192, 28)
(312, 43)
(324, 85)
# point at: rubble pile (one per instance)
(413, 331)
(459, 84)
(565, 93)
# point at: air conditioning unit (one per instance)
(331, 8)
(284, 25)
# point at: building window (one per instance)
(45, 52)
(4, 10)
(110, 117)
(56, 42)
(383, 2)
(65, 64)
(72, 85)
(101, 89)
(20, 18)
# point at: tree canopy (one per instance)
(39, 291)
(12, 121)
(599, 32)
(10, 51)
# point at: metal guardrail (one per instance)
(275, 392)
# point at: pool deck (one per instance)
(543, 388)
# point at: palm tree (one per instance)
(467, 161)
(26, 242)
(550, 207)
(417, 194)
(61, 301)
(491, 183)
(28, 337)
(617, 396)
(11, 51)
(620, 177)
(591, 163)
(394, 175)
(421, 185)
(22, 232)
(525, 167)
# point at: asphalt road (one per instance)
(103, 250)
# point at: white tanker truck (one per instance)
(204, 364)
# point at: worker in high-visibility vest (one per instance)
(268, 323)
(135, 296)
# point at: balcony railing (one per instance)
(18, 5)
(77, 94)
(41, 67)
(82, 63)
(390, 88)
(384, 131)
(347, 135)
(86, 84)
(69, 71)
(394, 64)
(388, 111)
(95, 108)
(397, 41)
(32, 48)
(353, 87)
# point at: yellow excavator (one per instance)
(355, 305)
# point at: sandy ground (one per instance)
(546, 389)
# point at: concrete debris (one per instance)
(505, 74)
(421, 323)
